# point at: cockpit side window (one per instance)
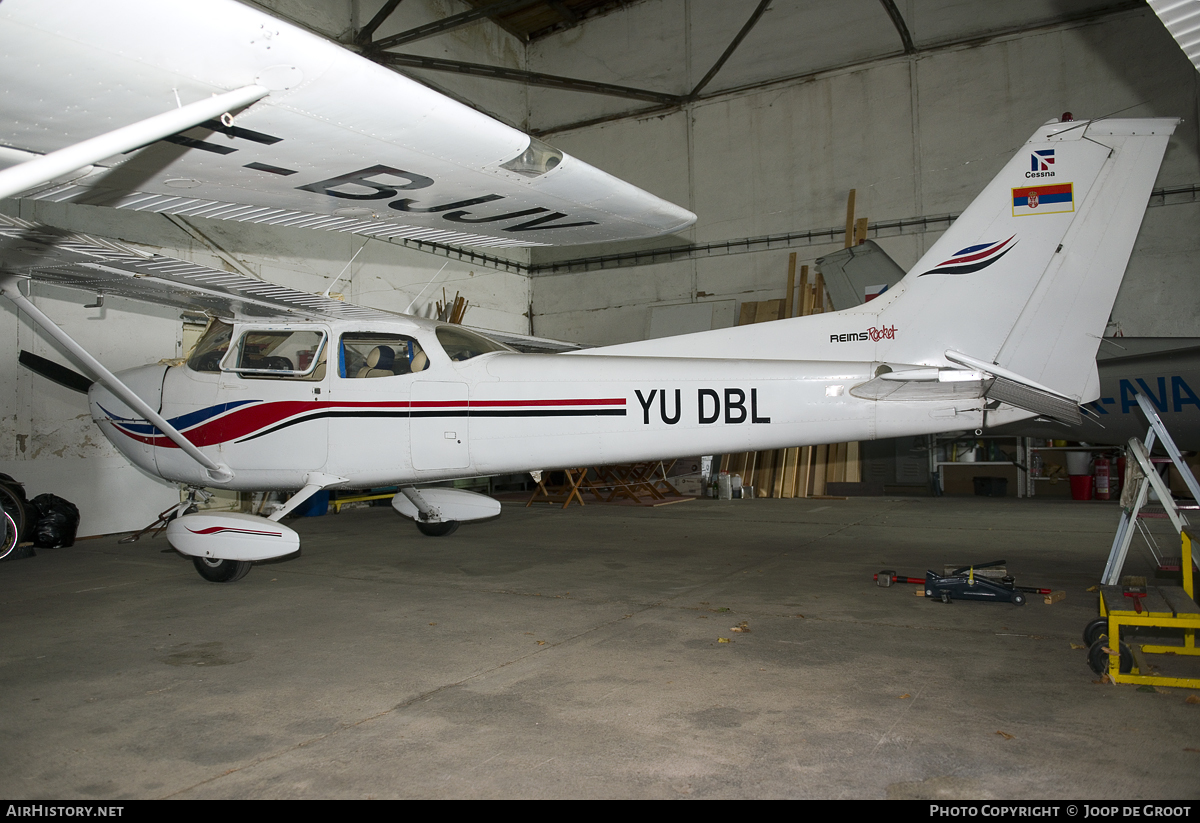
(294, 354)
(461, 344)
(211, 348)
(369, 354)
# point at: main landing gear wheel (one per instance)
(15, 509)
(1098, 657)
(221, 571)
(1094, 630)
(11, 536)
(437, 529)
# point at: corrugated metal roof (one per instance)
(1182, 19)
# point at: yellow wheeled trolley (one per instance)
(1166, 607)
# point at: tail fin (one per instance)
(1025, 279)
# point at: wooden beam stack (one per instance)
(802, 471)
(451, 311)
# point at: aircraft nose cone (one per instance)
(144, 381)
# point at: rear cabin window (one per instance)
(288, 354)
(371, 355)
(461, 344)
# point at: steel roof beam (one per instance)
(364, 35)
(737, 41)
(533, 78)
(898, 21)
(450, 23)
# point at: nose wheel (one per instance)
(215, 570)
(437, 529)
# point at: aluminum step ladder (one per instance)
(1140, 490)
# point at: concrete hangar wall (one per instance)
(916, 135)
(771, 146)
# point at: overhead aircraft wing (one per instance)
(338, 143)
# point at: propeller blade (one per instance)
(52, 371)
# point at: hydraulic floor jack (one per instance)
(965, 584)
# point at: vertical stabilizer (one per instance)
(1026, 278)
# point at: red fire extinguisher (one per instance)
(1102, 477)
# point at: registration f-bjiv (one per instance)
(998, 322)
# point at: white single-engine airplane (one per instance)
(998, 322)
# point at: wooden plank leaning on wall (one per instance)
(802, 471)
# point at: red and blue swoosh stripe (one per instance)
(248, 420)
(233, 530)
(974, 258)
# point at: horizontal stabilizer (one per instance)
(1018, 390)
(858, 274)
(1037, 400)
(882, 388)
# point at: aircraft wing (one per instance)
(338, 143)
(101, 266)
(527, 343)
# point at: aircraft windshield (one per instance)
(461, 344)
(211, 348)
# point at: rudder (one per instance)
(1025, 279)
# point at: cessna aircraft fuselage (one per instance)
(452, 404)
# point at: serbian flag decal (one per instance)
(1053, 199)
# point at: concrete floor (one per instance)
(575, 654)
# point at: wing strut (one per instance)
(127, 138)
(217, 471)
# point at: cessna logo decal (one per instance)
(360, 185)
(974, 258)
(1041, 163)
(711, 405)
(873, 334)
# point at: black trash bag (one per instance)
(58, 519)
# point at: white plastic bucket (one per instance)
(1079, 463)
